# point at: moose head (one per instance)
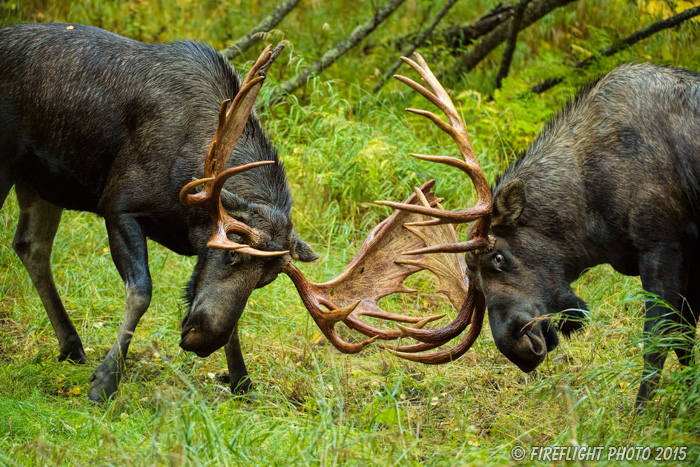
(251, 242)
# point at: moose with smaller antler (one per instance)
(96, 122)
(613, 178)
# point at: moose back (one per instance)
(96, 122)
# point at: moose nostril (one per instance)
(536, 343)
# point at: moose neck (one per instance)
(557, 204)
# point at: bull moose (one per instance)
(95, 122)
(92, 121)
(613, 178)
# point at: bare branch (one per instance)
(533, 13)
(623, 44)
(512, 40)
(465, 34)
(268, 23)
(462, 35)
(355, 37)
(417, 42)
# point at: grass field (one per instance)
(343, 148)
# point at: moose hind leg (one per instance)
(33, 241)
(689, 315)
(663, 273)
(238, 374)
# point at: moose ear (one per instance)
(508, 203)
(233, 202)
(302, 251)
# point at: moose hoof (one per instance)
(72, 350)
(104, 385)
(74, 356)
(242, 386)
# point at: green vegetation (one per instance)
(343, 147)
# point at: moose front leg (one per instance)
(238, 374)
(663, 274)
(129, 252)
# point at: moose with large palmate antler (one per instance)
(614, 178)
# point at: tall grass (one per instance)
(343, 148)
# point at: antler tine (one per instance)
(448, 332)
(442, 100)
(353, 322)
(213, 188)
(232, 121)
(469, 164)
(448, 355)
(414, 348)
(233, 117)
(325, 320)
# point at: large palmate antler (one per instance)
(481, 211)
(378, 270)
(474, 305)
(389, 255)
(232, 121)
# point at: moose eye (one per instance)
(498, 260)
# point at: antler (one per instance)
(379, 270)
(481, 211)
(473, 308)
(232, 121)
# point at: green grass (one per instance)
(343, 148)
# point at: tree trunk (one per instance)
(534, 12)
(512, 42)
(268, 23)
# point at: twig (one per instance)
(623, 44)
(417, 42)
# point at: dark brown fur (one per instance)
(96, 122)
(614, 178)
